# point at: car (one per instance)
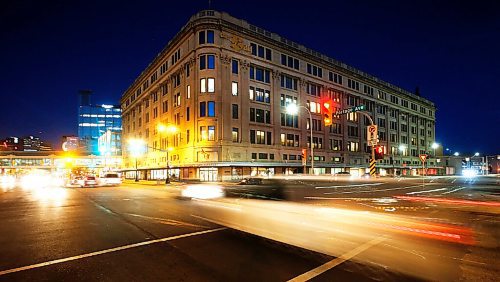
(251, 181)
(110, 179)
(343, 173)
(87, 181)
(202, 191)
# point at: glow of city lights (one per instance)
(136, 146)
(435, 145)
(292, 108)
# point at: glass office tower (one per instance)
(96, 120)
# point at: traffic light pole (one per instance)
(371, 123)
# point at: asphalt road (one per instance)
(139, 232)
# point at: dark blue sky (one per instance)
(51, 49)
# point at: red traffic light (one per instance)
(327, 109)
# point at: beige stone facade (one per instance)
(192, 84)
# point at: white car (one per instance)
(110, 179)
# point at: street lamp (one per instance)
(434, 146)
(136, 148)
(293, 109)
(169, 129)
(456, 154)
(402, 149)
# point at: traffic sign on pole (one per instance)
(372, 134)
(423, 157)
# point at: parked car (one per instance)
(110, 179)
(87, 181)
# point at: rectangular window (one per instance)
(203, 107)
(211, 133)
(201, 37)
(207, 62)
(187, 114)
(314, 70)
(203, 133)
(235, 134)
(234, 88)
(210, 36)
(288, 82)
(289, 61)
(234, 66)
(188, 91)
(211, 108)
(203, 87)
(260, 74)
(211, 85)
(335, 77)
(235, 111)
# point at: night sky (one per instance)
(51, 49)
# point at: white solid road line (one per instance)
(336, 261)
(3, 272)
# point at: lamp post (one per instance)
(168, 129)
(293, 109)
(136, 147)
(434, 146)
(402, 149)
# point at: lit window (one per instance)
(211, 133)
(203, 88)
(234, 88)
(235, 134)
(211, 85)
(188, 92)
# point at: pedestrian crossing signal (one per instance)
(379, 152)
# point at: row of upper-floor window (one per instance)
(262, 95)
(261, 74)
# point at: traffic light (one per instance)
(379, 152)
(304, 154)
(327, 109)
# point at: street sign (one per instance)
(372, 134)
(423, 157)
(350, 110)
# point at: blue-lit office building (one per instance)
(95, 121)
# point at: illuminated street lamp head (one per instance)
(136, 147)
(476, 154)
(292, 109)
(456, 154)
(434, 145)
(167, 128)
(402, 147)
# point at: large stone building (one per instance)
(224, 84)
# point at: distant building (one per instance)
(11, 144)
(110, 144)
(94, 121)
(69, 143)
(28, 144)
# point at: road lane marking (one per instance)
(426, 191)
(348, 186)
(37, 265)
(454, 190)
(373, 191)
(168, 221)
(336, 261)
